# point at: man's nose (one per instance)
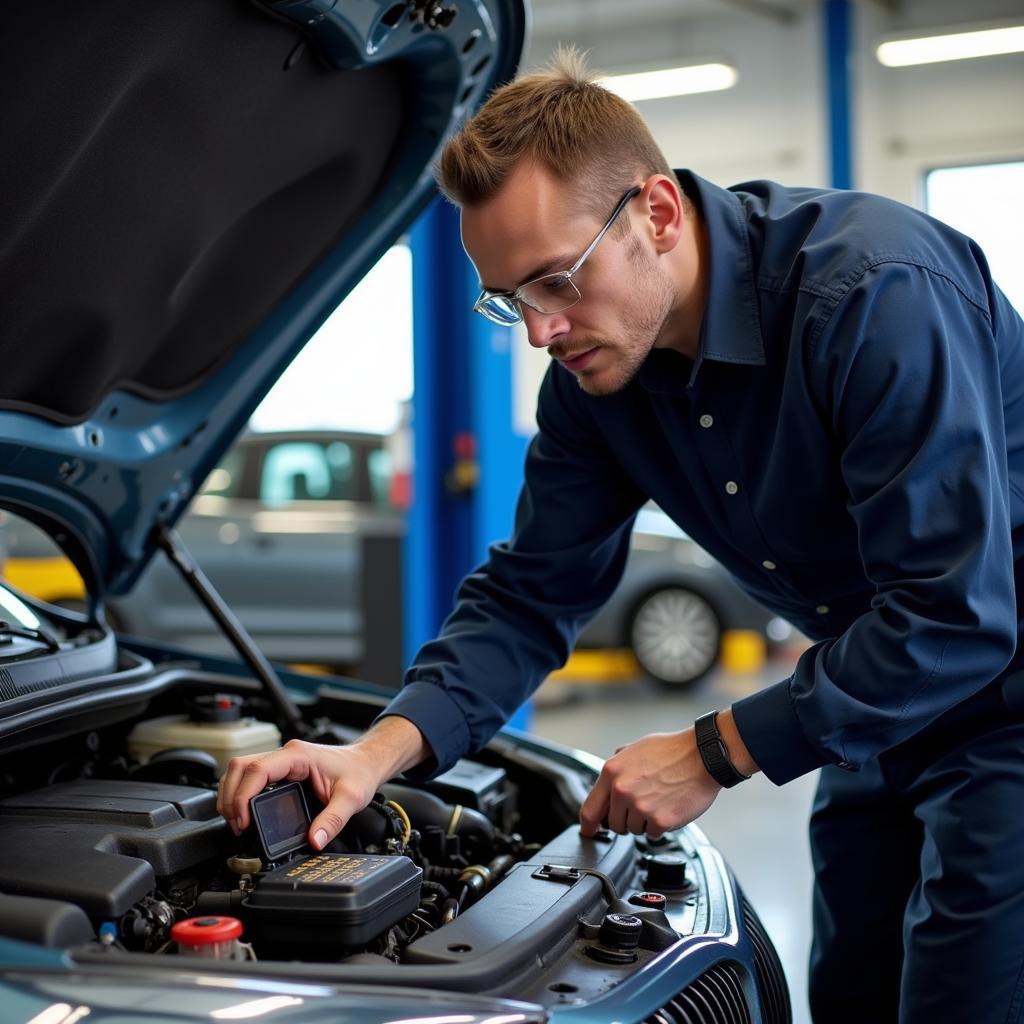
(544, 329)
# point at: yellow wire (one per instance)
(400, 811)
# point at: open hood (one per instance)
(189, 188)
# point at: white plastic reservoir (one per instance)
(222, 740)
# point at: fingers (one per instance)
(595, 807)
(605, 808)
(636, 822)
(334, 817)
(653, 831)
(618, 811)
(246, 776)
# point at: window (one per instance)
(378, 467)
(979, 201)
(307, 471)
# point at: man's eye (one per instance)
(556, 282)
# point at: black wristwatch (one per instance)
(713, 752)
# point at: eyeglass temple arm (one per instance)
(634, 191)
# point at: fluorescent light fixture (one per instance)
(959, 45)
(653, 85)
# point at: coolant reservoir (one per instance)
(213, 937)
(214, 725)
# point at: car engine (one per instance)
(111, 849)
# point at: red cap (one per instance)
(648, 899)
(204, 931)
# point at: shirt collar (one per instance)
(730, 331)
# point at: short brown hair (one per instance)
(560, 117)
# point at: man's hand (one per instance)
(343, 778)
(651, 786)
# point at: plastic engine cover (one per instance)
(337, 899)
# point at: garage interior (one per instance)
(803, 98)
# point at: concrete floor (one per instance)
(760, 829)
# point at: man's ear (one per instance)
(666, 214)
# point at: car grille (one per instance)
(771, 982)
(716, 997)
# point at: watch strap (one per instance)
(714, 753)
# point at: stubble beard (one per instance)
(643, 323)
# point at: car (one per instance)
(293, 528)
(195, 186)
(313, 510)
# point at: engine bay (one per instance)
(477, 881)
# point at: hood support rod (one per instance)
(170, 543)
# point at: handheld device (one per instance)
(280, 822)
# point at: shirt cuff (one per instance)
(440, 720)
(769, 727)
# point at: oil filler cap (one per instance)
(666, 872)
(620, 931)
(617, 940)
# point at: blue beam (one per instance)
(838, 58)
(467, 457)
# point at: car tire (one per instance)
(675, 635)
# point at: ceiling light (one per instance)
(653, 85)
(960, 45)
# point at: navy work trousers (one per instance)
(919, 879)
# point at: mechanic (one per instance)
(824, 389)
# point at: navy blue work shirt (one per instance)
(849, 443)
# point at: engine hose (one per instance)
(474, 829)
(439, 874)
(400, 811)
(372, 826)
(500, 866)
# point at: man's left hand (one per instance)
(650, 786)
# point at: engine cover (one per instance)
(101, 844)
(334, 899)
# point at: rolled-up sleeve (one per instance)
(906, 371)
(517, 616)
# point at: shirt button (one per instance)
(822, 609)
(706, 420)
(769, 564)
(731, 487)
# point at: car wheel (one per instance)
(676, 636)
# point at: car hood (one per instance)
(189, 188)
(42, 991)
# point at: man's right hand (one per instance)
(344, 779)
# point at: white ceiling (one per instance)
(626, 35)
(554, 17)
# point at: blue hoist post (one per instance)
(838, 58)
(467, 458)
